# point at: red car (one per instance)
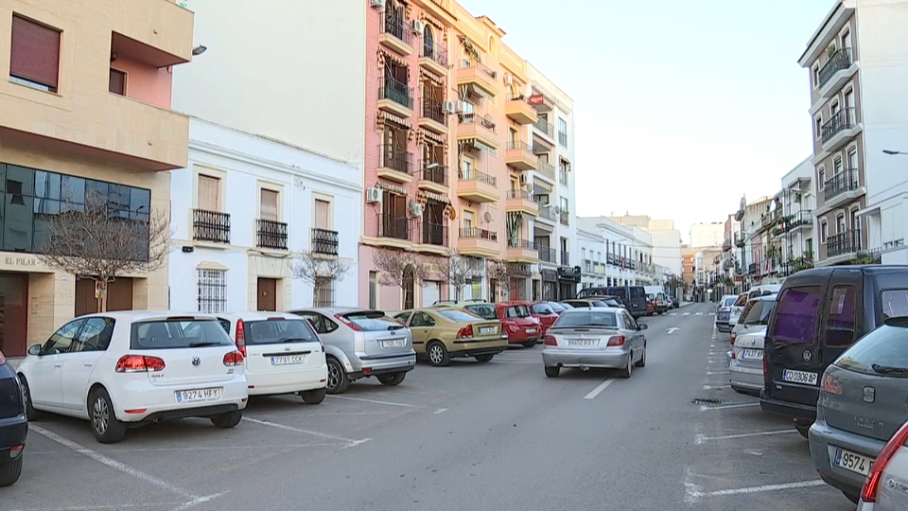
(545, 313)
(518, 323)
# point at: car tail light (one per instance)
(2, 358)
(765, 367)
(465, 332)
(734, 336)
(15, 451)
(831, 385)
(347, 322)
(872, 483)
(139, 364)
(616, 340)
(241, 336)
(549, 340)
(233, 359)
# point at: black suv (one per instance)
(13, 424)
(818, 315)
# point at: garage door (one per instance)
(119, 296)
(431, 293)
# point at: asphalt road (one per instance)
(472, 437)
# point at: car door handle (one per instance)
(88, 364)
(58, 364)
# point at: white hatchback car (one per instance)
(119, 369)
(283, 354)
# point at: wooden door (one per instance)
(13, 313)
(267, 294)
(119, 296)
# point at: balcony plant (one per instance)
(865, 258)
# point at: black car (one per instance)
(13, 424)
(820, 313)
(675, 302)
(633, 297)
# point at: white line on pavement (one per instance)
(699, 314)
(110, 462)
(144, 505)
(200, 500)
(349, 441)
(716, 387)
(375, 401)
(727, 407)
(595, 392)
(702, 439)
(440, 411)
(716, 373)
(694, 493)
(673, 314)
(197, 448)
(686, 314)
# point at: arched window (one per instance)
(394, 19)
(409, 287)
(428, 42)
(491, 45)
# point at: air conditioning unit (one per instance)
(557, 210)
(461, 106)
(373, 195)
(508, 79)
(377, 4)
(418, 27)
(451, 107)
(415, 208)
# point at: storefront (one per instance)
(549, 285)
(568, 279)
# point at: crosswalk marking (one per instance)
(699, 314)
(686, 314)
(673, 314)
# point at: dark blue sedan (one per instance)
(13, 424)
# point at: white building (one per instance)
(241, 211)
(593, 259)
(628, 251)
(798, 202)
(707, 235)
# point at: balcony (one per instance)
(519, 156)
(521, 251)
(432, 116)
(433, 177)
(434, 58)
(546, 169)
(545, 128)
(838, 70)
(841, 187)
(546, 213)
(844, 243)
(547, 254)
(482, 128)
(394, 164)
(477, 186)
(271, 234)
(565, 218)
(521, 201)
(393, 227)
(519, 110)
(324, 242)
(726, 245)
(478, 243)
(396, 97)
(541, 102)
(801, 219)
(840, 128)
(395, 34)
(739, 240)
(565, 258)
(210, 226)
(480, 78)
(433, 238)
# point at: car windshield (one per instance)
(517, 311)
(459, 316)
(581, 318)
(277, 331)
(177, 333)
(373, 321)
(729, 301)
(542, 308)
(484, 311)
(612, 303)
(557, 307)
(757, 312)
(881, 352)
(566, 306)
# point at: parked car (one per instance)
(361, 343)
(544, 312)
(595, 338)
(745, 364)
(558, 307)
(518, 323)
(861, 406)
(481, 308)
(675, 303)
(736, 309)
(633, 297)
(885, 486)
(585, 303)
(662, 303)
(442, 333)
(723, 311)
(650, 306)
(283, 354)
(122, 369)
(763, 290)
(13, 425)
(819, 313)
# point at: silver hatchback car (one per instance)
(361, 343)
(594, 338)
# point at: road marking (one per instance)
(693, 493)
(673, 314)
(440, 411)
(686, 314)
(702, 439)
(202, 449)
(699, 314)
(727, 407)
(349, 441)
(106, 506)
(595, 392)
(712, 313)
(716, 387)
(716, 373)
(673, 330)
(376, 401)
(110, 462)
(200, 500)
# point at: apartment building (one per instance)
(666, 240)
(627, 252)
(274, 173)
(796, 231)
(84, 109)
(593, 260)
(755, 218)
(707, 234)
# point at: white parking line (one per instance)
(595, 392)
(693, 493)
(686, 314)
(440, 411)
(195, 502)
(716, 373)
(699, 314)
(702, 439)
(349, 441)
(376, 401)
(673, 314)
(144, 505)
(727, 407)
(716, 387)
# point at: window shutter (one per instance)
(117, 82)
(35, 53)
(209, 193)
(322, 215)
(269, 205)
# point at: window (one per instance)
(94, 336)
(458, 316)
(821, 178)
(757, 312)
(117, 83)
(586, 317)
(817, 126)
(269, 205)
(421, 319)
(564, 204)
(323, 292)
(824, 231)
(880, 353)
(855, 221)
(840, 323)
(403, 317)
(62, 338)
(483, 311)
(209, 193)
(321, 324)
(816, 75)
(373, 290)
(517, 311)
(212, 286)
(170, 334)
(853, 160)
(467, 220)
(840, 224)
(894, 303)
(796, 315)
(34, 54)
(373, 321)
(276, 331)
(837, 166)
(322, 214)
(562, 132)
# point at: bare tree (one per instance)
(93, 241)
(458, 271)
(318, 270)
(504, 272)
(397, 267)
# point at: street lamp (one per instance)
(893, 153)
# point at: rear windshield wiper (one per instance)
(294, 339)
(202, 344)
(896, 371)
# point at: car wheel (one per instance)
(10, 471)
(313, 397)
(30, 412)
(642, 361)
(530, 344)
(104, 423)
(803, 430)
(627, 371)
(552, 371)
(482, 359)
(337, 377)
(392, 379)
(227, 420)
(437, 354)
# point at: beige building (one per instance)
(84, 107)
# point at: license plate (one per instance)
(753, 354)
(582, 343)
(287, 360)
(854, 462)
(531, 330)
(799, 377)
(487, 330)
(198, 395)
(396, 343)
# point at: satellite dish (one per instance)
(487, 217)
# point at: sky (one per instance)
(680, 107)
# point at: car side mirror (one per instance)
(34, 350)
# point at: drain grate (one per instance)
(706, 401)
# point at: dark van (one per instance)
(633, 297)
(819, 313)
